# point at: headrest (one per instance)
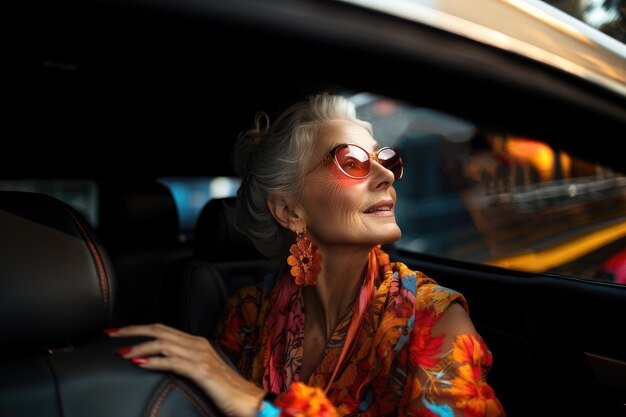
(215, 236)
(56, 281)
(137, 214)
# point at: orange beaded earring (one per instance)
(304, 260)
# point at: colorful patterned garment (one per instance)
(395, 364)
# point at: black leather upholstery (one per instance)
(215, 236)
(56, 278)
(138, 223)
(129, 212)
(56, 296)
(224, 260)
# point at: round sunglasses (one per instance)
(355, 162)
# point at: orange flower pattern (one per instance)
(400, 362)
(304, 261)
(301, 400)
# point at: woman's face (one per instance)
(339, 210)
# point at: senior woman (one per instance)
(342, 330)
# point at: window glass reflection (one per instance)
(500, 199)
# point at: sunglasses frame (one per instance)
(333, 155)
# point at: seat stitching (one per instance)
(194, 402)
(98, 260)
(155, 409)
(99, 263)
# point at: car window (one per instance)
(81, 194)
(500, 199)
(608, 16)
(192, 193)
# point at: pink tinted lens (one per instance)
(353, 161)
(390, 159)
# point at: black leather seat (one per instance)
(224, 260)
(139, 226)
(57, 294)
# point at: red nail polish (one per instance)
(123, 351)
(112, 330)
(139, 361)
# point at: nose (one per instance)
(380, 176)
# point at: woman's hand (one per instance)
(194, 358)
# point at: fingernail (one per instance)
(123, 351)
(139, 361)
(112, 330)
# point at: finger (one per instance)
(177, 365)
(161, 363)
(218, 380)
(203, 373)
(148, 330)
(171, 348)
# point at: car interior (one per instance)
(126, 93)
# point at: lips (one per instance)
(381, 206)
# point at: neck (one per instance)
(338, 285)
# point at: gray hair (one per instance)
(271, 158)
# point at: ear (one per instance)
(286, 212)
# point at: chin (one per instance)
(391, 235)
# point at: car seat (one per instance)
(223, 261)
(57, 294)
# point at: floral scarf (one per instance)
(394, 363)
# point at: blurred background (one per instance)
(608, 16)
